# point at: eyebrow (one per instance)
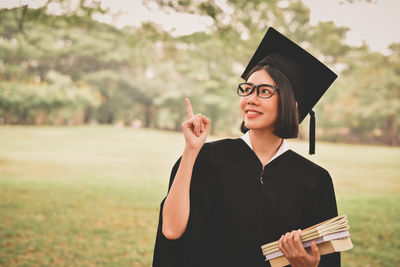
(267, 84)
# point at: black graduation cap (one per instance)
(309, 77)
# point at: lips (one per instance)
(251, 113)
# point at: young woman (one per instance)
(228, 197)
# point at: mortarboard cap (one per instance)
(309, 77)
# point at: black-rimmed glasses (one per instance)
(263, 90)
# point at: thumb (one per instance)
(205, 120)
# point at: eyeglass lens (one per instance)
(264, 91)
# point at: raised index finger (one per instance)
(189, 108)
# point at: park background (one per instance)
(90, 115)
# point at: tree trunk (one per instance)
(148, 115)
(178, 125)
(110, 117)
(8, 115)
(392, 132)
(23, 117)
(58, 118)
(154, 112)
(40, 117)
(78, 118)
(88, 114)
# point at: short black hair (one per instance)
(287, 123)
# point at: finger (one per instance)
(201, 123)
(290, 239)
(301, 252)
(286, 245)
(205, 120)
(186, 124)
(285, 240)
(292, 247)
(297, 243)
(196, 127)
(315, 252)
(199, 117)
(281, 247)
(189, 108)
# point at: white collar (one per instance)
(282, 148)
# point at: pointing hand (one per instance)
(195, 129)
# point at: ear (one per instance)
(297, 105)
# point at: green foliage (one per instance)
(145, 73)
(24, 99)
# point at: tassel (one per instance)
(312, 133)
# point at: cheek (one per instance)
(242, 104)
(276, 106)
(271, 107)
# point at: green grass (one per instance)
(89, 196)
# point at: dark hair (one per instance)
(287, 123)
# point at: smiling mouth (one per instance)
(252, 112)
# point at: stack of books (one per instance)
(330, 236)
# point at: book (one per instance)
(317, 241)
(331, 226)
(324, 248)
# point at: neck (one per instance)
(265, 144)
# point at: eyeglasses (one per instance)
(263, 90)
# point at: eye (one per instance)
(247, 88)
(266, 91)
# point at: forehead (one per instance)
(260, 77)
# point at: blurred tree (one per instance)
(145, 73)
(235, 34)
(32, 103)
(74, 46)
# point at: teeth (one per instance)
(253, 112)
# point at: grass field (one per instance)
(89, 196)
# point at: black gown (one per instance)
(232, 213)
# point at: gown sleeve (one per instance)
(182, 251)
(325, 208)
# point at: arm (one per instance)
(177, 204)
(180, 251)
(181, 218)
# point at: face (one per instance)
(259, 113)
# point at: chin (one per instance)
(258, 127)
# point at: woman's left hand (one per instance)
(291, 246)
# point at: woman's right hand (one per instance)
(195, 129)
(291, 246)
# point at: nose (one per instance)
(253, 96)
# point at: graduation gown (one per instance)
(232, 214)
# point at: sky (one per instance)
(376, 23)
